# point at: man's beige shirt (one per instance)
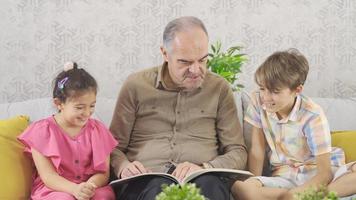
(161, 127)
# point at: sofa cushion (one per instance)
(41, 108)
(347, 141)
(35, 108)
(15, 168)
(339, 112)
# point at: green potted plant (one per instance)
(180, 192)
(313, 194)
(227, 64)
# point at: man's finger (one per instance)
(177, 172)
(183, 172)
(126, 173)
(133, 169)
(140, 167)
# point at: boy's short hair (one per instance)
(283, 69)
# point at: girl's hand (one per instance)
(84, 191)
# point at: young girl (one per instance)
(292, 127)
(69, 149)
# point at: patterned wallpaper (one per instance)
(113, 38)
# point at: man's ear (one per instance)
(164, 53)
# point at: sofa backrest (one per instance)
(41, 108)
(341, 113)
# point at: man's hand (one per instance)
(84, 191)
(184, 169)
(132, 169)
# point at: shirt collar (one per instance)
(293, 115)
(160, 83)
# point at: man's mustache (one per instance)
(191, 75)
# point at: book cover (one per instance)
(231, 175)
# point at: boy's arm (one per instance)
(257, 151)
(318, 136)
(322, 177)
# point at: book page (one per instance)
(229, 173)
(122, 181)
(226, 173)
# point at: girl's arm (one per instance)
(101, 179)
(323, 176)
(257, 151)
(56, 182)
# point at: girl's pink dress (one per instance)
(74, 158)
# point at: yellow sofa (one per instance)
(16, 168)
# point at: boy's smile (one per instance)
(267, 105)
(279, 101)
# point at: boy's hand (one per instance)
(84, 191)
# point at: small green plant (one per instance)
(227, 64)
(314, 194)
(176, 192)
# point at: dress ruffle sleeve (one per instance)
(42, 138)
(103, 143)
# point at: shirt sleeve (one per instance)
(317, 132)
(122, 123)
(230, 136)
(103, 144)
(252, 114)
(42, 137)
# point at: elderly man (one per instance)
(177, 118)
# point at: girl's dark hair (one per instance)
(73, 82)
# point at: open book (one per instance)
(230, 175)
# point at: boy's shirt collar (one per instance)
(293, 115)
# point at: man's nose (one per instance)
(194, 68)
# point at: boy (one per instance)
(294, 129)
(344, 181)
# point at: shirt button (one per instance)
(76, 161)
(78, 177)
(178, 112)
